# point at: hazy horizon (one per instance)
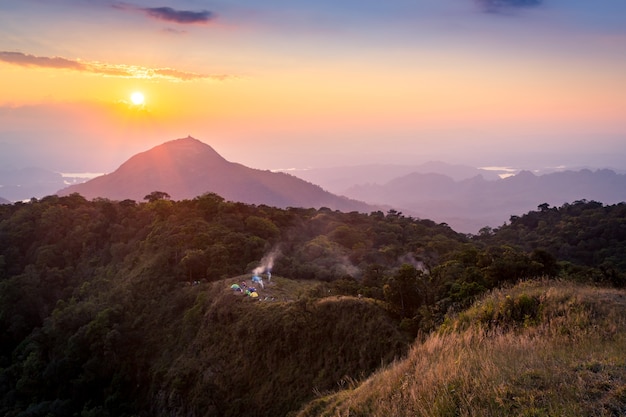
(278, 85)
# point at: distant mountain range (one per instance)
(470, 204)
(339, 179)
(187, 168)
(464, 197)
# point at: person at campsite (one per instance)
(257, 279)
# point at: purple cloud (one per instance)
(169, 14)
(27, 60)
(104, 69)
(178, 16)
(495, 6)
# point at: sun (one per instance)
(137, 98)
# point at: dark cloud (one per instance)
(496, 6)
(179, 16)
(168, 14)
(104, 69)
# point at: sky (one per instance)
(294, 84)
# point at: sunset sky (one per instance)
(279, 84)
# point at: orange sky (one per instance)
(268, 87)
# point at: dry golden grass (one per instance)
(541, 348)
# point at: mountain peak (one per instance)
(523, 175)
(188, 141)
(186, 168)
(188, 145)
(181, 155)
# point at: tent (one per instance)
(254, 294)
(235, 287)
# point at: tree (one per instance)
(262, 227)
(157, 195)
(195, 263)
(543, 207)
(402, 290)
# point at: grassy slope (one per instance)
(537, 349)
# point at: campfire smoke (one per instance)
(267, 263)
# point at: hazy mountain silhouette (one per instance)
(341, 178)
(186, 168)
(470, 204)
(25, 183)
(4, 201)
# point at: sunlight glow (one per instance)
(137, 98)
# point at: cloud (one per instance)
(168, 14)
(104, 69)
(27, 60)
(497, 6)
(182, 75)
(174, 31)
(179, 16)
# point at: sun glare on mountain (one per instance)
(137, 98)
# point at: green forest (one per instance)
(125, 308)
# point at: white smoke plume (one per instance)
(267, 263)
(348, 268)
(410, 259)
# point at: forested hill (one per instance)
(126, 309)
(583, 233)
